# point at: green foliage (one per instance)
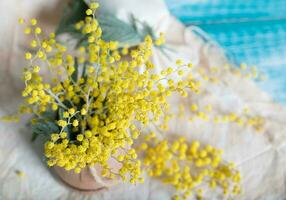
(117, 30)
(44, 128)
(45, 125)
(74, 11)
(74, 76)
(114, 29)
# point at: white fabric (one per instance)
(151, 11)
(261, 157)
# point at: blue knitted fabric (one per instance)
(252, 31)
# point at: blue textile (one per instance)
(252, 31)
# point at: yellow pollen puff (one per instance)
(94, 5)
(196, 144)
(243, 66)
(27, 76)
(135, 134)
(246, 110)
(63, 135)
(28, 56)
(44, 45)
(159, 41)
(75, 123)
(91, 39)
(40, 54)
(208, 108)
(33, 22)
(52, 35)
(194, 107)
(88, 134)
(176, 197)
(144, 146)
(83, 111)
(88, 12)
(91, 69)
(38, 30)
(20, 173)
(120, 158)
(179, 62)
(77, 170)
(79, 137)
(212, 184)
(124, 51)
(50, 145)
(141, 180)
(62, 123)
(27, 30)
(169, 70)
(21, 21)
(54, 137)
(66, 114)
(71, 111)
(54, 106)
(49, 48)
(33, 43)
(180, 72)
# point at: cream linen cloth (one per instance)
(260, 157)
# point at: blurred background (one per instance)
(251, 32)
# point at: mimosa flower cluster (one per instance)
(186, 166)
(98, 97)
